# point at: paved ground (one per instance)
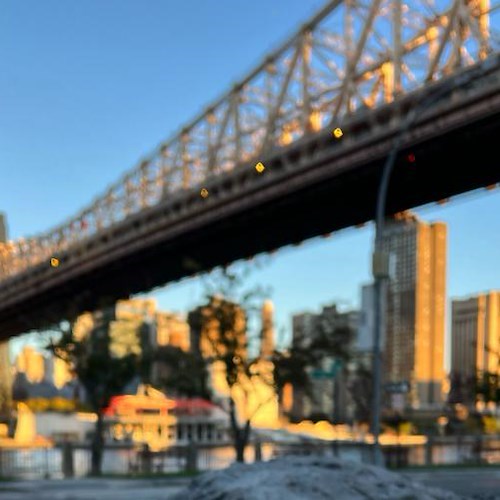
(92, 489)
(475, 483)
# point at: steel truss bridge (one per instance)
(360, 65)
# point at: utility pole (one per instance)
(380, 271)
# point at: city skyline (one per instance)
(189, 293)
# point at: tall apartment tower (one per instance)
(416, 300)
(475, 334)
(267, 336)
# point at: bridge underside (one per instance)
(312, 188)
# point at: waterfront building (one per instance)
(142, 418)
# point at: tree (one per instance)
(226, 340)
(330, 340)
(101, 374)
(487, 383)
(361, 391)
(224, 334)
(183, 373)
(488, 387)
(5, 401)
(463, 389)
(292, 367)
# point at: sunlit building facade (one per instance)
(6, 377)
(132, 327)
(172, 329)
(267, 334)
(57, 371)
(416, 299)
(475, 337)
(263, 401)
(31, 363)
(134, 324)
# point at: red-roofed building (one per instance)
(200, 421)
(143, 418)
(150, 417)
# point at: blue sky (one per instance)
(88, 88)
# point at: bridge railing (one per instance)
(352, 54)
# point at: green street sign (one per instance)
(332, 373)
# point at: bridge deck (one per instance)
(314, 186)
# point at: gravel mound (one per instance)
(306, 477)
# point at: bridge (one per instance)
(198, 201)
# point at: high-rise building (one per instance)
(172, 329)
(134, 324)
(416, 299)
(31, 363)
(475, 335)
(57, 371)
(328, 395)
(83, 326)
(6, 378)
(307, 326)
(303, 326)
(366, 326)
(267, 335)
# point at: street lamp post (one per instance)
(380, 270)
(380, 274)
(380, 264)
